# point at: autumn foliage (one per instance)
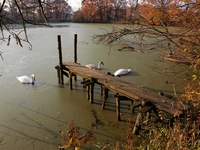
(182, 40)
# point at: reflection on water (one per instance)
(32, 116)
(38, 83)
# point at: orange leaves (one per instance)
(157, 13)
(75, 138)
(105, 10)
(89, 10)
(192, 92)
(197, 65)
(169, 12)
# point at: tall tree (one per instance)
(156, 11)
(131, 11)
(103, 10)
(92, 10)
(59, 9)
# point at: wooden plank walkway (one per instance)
(126, 89)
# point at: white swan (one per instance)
(94, 67)
(121, 72)
(26, 79)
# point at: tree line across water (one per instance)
(157, 12)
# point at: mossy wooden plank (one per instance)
(126, 89)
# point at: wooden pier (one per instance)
(147, 101)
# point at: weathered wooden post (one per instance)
(70, 80)
(75, 52)
(91, 92)
(88, 92)
(118, 107)
(90, 88)
(105, 96)
(135, 104)
(84, 86)
(92, 81)
(61, 79)
(137, 125)
(58, 73)
(101, 89)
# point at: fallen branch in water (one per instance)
(130, 48)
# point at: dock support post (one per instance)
(90, 88)
(135, 104)
(137, 125)
(132, 108)
(88, 92)
(58, 73)
(75, 52)
(118, 107)
(84, 86)
(61, 79)
(101, 89)
(92, 81)
(105, 96)
(70, 80)
(91, 92)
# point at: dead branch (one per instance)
(5, 21)
(126, 47)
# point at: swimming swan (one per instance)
(122, 72)
(94, 67)
(26, 79)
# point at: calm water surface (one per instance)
(32, 116)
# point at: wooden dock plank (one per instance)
(124, 88)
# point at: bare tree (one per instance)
(181, 40)
(17, 12)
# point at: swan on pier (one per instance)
(94, 67)
(121, 72)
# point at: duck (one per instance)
(121, 72)
(94, 67)
(26, 79)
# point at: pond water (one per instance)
(32, 116)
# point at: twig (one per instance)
(174, 90)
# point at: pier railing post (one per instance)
(75, 52)
(60, 59)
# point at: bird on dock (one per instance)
(26, 79)
(121, 72)
(94, 67)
